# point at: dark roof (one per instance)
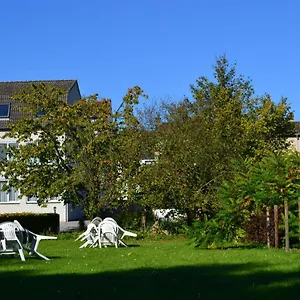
(9, 87)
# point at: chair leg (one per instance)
(84, 245)
(123, 243)
(21, 254)
(37, 254)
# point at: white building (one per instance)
(9, 201)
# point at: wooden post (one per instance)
(268, 226)
(286, 225)
(276, 226)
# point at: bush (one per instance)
(130, 218)
(213, 233)
(172, 227)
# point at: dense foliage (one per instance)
(194, 142)
(75, 151)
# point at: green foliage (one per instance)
(213, 233)
(195, 141)
(260, 184)
(132, 219)
(75, 151)
(172, 227)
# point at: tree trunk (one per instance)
(276, 226)
(286, 225)
(190, 216)
(143, 220)
(268, 226)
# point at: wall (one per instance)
(24, 206)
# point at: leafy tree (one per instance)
(196, 140)
(74, 151)
(278, 182)
(272, 181)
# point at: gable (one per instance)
(7, 89)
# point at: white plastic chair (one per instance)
(120, 230)
(110, 219)
(36, 238)
(107, 234)
(112, 232)
(91, 235)
(96, 221)
(126, 233)
(10, 242)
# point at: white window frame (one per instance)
(7, 144)
(51, 200)
(7, 195)
(6, 117)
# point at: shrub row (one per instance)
(38, 223)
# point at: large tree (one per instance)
(196, 140)
(73, 151)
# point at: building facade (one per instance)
(9, 112)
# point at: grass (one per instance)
(158, 269)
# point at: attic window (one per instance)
(4, 110)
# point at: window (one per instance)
(10, 196)
(4, 110)
(34, 199)
(3, 149)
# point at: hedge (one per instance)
(37, 223)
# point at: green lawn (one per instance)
(151, 270)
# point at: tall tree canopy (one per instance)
(74, 151)
(196, 140)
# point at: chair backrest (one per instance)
(19, 225)
(108, 232)
(110, 219)
(9, 230)
(96, 221)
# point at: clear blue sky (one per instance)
(161, 45)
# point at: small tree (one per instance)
(275, 180)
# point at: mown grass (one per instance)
(158, 269)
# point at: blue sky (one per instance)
(161, 45)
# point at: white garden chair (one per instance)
(90, 235)
(36, 238)
(110, 219)
(107, 234)
(96, 221)
(10, 243)
(112, 232)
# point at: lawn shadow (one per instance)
(133, 245)
(228, 281)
